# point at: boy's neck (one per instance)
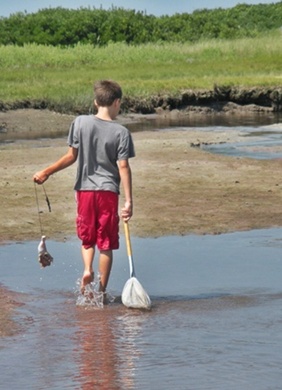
(108, 113)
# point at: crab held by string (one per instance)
(44, 256)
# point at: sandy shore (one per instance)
(178, 188)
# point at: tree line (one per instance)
(67, 27)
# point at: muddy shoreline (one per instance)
(218, 99)
(9, 301)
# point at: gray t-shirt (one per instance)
(100, 145)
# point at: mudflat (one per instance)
(178, 188)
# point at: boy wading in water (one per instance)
(102, 148)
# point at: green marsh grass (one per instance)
(61, 75)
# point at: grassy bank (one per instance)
(67, 74)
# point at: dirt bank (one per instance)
(178, 189)
(218, 99)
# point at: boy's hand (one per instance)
(126, 211)
(40, 177)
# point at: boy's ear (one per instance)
(95, 103)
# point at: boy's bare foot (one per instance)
(87, 278)
(105, 298)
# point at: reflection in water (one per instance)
(199, 120)
(105, 347)
(96, 350)
(130, 329)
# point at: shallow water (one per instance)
(215, 323)
(205, 120)
(262, 134)
(264, 142)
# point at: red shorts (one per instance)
(97, 220)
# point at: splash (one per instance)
(92, 297)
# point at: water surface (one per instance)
(264, 142)
(215, 323)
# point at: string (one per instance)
(47, 199)
(37, 203)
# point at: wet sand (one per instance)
(178, 187)
(9, 302)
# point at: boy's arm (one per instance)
(65, 161)
(126, 180)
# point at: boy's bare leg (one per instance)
(105, 266)
(88, 274)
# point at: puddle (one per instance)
(259, 143)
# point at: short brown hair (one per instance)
(106, 92)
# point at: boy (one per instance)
(102, 148)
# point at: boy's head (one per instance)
(106, 92)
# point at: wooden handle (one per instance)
(127, 239)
